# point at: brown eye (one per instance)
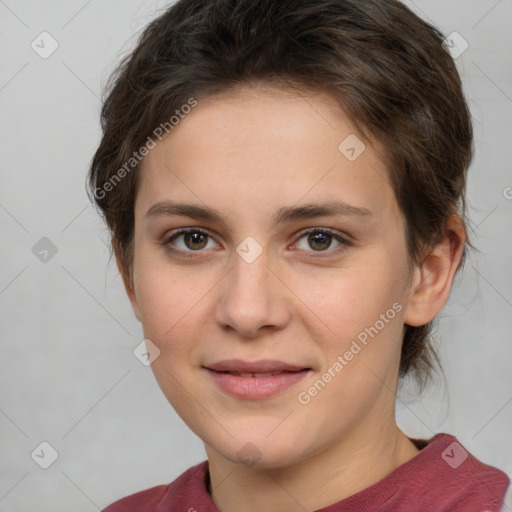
(195, 241)
(319, 241)
(188, 240)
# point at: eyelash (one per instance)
(344, 243)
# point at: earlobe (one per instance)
(433, 278)
(128, 284)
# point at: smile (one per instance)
(252, 386)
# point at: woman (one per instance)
(284, 183)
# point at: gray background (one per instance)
(68, 375)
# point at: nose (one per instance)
(252, 299)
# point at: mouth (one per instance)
(262, 366)
(259, 375)
(258, 380)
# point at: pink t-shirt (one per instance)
(442, 477)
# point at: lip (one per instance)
(261, 366)
(250, 387)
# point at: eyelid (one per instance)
(183, 231)
(330, 231)
(344, 240)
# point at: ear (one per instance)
(128, 284)
(433, 278)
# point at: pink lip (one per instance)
(261, 366)
(255, 387)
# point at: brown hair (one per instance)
(385, 66)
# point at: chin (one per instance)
(261, 452)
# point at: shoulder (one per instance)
(149, 500)
(462, 481)
(143, 501)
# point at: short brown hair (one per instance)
(385, 66)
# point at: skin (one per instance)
(245, 154)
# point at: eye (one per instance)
(193, 240)
(187, 241)
(321, 239)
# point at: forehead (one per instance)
(257, 147)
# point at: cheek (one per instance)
(167, 296)
(171, 308)
(357, 313)
(346, 300)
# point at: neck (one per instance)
(358, 461)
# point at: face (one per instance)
(294, 254)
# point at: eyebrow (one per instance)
(284, 214)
